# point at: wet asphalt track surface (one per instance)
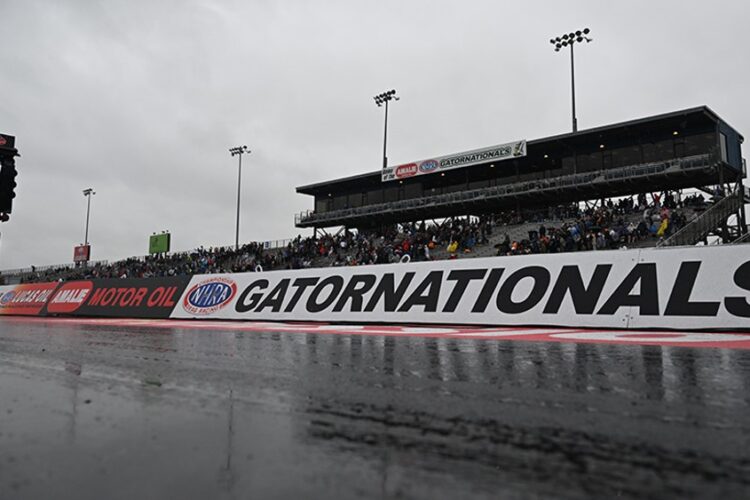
(93, 411)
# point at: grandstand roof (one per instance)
(680, 118)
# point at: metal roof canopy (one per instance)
(587, 138)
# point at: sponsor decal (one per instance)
(209, 295)
(475, 157)
(70, 297)
(7, 297)
(124, 298)
(428, 166)
(408, 170)
(81, 253)
(465, 159)
(28, 299)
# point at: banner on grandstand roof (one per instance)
(118, 298)
(688, 288)
(458, 160)
(25, 299)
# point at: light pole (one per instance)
(238, 151)
(569, 39)
(381, 99)
(88, 192)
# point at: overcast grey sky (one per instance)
(141, 100)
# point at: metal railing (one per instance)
(276, 244)
(697, 162)
(705, 223)
(21, 272)
(745, 238)
(41, 269)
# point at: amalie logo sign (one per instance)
(209, 295)
(406, 170)
(70, 297)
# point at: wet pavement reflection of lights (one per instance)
(104, 411)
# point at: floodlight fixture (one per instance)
(565, 40)
(238, 151)
(380, 100)
(88, 193)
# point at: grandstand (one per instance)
(691, 148)
(673, 179)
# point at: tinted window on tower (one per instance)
(723, 146)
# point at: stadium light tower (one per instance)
(381, 99)
(238, 151)
(88, 192)
(570, 39)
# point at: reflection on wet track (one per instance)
(108, 411)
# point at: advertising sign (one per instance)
(685, 288)
(25, 300)
(458, 160)
(120, 298)
(159, 243)
(82, 253)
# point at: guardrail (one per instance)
(267, 245)
(745, 238)
(41, 269)
(697, 162)
(276, 244)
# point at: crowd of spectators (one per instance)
(607, 224)
(199, 261)
(392, 244)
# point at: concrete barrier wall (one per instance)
(681, 288)
(685, 288)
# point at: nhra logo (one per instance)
(406, 170)
(209, 296)
(7, 297)
(428, 166)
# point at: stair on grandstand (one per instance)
(706, 223)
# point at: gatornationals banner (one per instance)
(687, 288)
(458, 160)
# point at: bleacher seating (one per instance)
(604, 225)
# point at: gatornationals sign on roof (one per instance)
(442, 163)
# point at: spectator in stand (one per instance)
(591, 228)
